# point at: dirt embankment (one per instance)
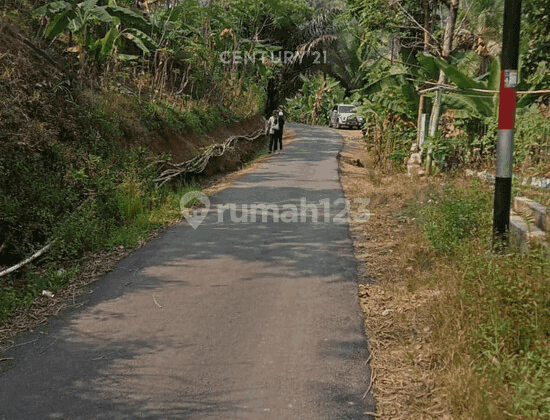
(43, 101)
(185, 145)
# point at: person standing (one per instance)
(280, 131)
(272, 128)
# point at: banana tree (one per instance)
(80, 18)
(391, 88)
(474, 97)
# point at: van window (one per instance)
(347, 109)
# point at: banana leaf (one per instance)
(108, 43)
(126, 57)
(453, 74)
(60, 23)
(126, 15)
(99, 13)
(55, 6)
(143, 41)
(467, 101)
(394, 92)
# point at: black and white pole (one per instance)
(506, 117)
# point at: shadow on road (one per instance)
(190, 325)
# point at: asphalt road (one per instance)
(236, 319)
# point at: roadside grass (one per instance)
(456, 331)
(492, 324)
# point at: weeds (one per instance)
(493, 327)
(451, 215)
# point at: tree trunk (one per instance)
(446, 52)
(427, 25)
(271, 102)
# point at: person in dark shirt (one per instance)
(280, 131)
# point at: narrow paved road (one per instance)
(232, 320)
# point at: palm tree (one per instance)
(349, 60)
(308, 43)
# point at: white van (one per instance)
(343, 115)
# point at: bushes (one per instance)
(33, 197)
(531, 145)
(81, 232)
(82, 201)
(389, 138)
(118, 192)
(106, 202)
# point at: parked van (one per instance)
(343, 115)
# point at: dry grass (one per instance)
(461, 335)
(395, 294)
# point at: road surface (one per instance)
(236, 319)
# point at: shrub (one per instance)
(451, 215)
(532, 137)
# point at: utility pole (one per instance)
(506, 118)
(421, 122)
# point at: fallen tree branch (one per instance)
(28, 260)
(18, 345)
(198, 164)
(156, 303)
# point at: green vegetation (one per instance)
(451, 215)
(87, 90)
(387, 55)
(316, 98)
(101, 201)
(492, 326)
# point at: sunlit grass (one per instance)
(492, 327)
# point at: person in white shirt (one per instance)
(272, 128)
